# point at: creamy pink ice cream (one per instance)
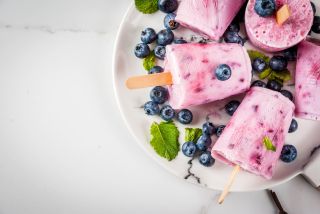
(208, 17)
(262, 113)
(266, 34)
(193, 67)
(307, 98)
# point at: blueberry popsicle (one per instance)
(307, 98)
(208, 17)
(263, 117)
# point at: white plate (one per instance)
(130, 101)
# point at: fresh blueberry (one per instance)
(274, 85)
(167, 6)
(291, 53)
(160, 51)
(259, 65)
(159, 94)
(234, 27)
(203, 142)
(316, 24)
(148, 35)
(219, 130)
(231, 107)
(141, 50)
(179, 41)
(259, 83)
(156, 69)
(206, 159)
(278, 63)
(167, 113)
(208, 128)
(165, 37)
(189, 149)
(169, 21)
(223, 72)
(287, 94)
(288, 153)
(265, 8)
(185, 116)
(151, 108)
(293, 126)
(313, 7)
(233, 37)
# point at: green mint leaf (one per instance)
(253, 54)
(165, 139)
(149, 61)
(147, 6)
(264, 74)
(283, 76)
(268, 144)
(192, 134)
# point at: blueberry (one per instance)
(219, 130)
(179, 41)
(313, 7)
(293, 126)
(160, 51)
(278, 63)
(159, 94)
(288, 153)
(206, 159)
(148, 35)
(259, 65)
(141, 50)
(151, 108)
(265, 8)
(208, 128)
(287, 94)
(231, 107)
(169, 21)
(223, 72)
(167, 113)
(316, 24)
(274, 85)
(259, 83)
(233, 37)
(291, 53)
(189, 149)
(165, 37)
(203, 142)
(167, 6)
(156, 69)
(185, 116)
(234, 27)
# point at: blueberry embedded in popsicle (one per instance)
(223, 72)
(265, 8)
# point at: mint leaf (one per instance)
(192, 134)
(149, 61)
(147, 6)
(165, 139)
(253, 54)
(268, 144)
(283, 76)
(264, 74)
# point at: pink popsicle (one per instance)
(307, 98)
(262, 113)
(208, 17)
(192, 67)
(266, 34)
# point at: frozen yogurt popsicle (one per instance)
(192, 67)
(307, 79)
(266, 34)
(263, 113)
(208, 17)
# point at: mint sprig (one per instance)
(164, 140)
(268, 144)
(192, 134)
(146, 6)
(149, 62)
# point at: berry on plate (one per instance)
(160, 51)
(231, 107)
(142, 50)
(185, 116)
(169, 21)
(288, 153)
(165, 37)
(148, 35)
(203, 142)
(206, 159)
(156, 69)
(167, 6)
(293, 126)
(159, 94)
(189, 149)
(208, 128)
(167, 113)
(151, 108)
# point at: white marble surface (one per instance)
(63, 145)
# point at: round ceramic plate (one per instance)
(130, 102)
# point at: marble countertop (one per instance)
(64, 147)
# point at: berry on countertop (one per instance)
(169, 21)
(206, 159)
(274, 85)
(313, 7)
(293, 126)
(159, 94)
(142, 50)
(278, 63)
(223, 72)
(233, 37)
(291, 53)
(151, 108)
(148, 35)
(203, 142)
(265, 8)
(288, 153)
(189, 149)
(167, 113)
(234, 27)
(165, 37)
(179, 41)
(259, 83)
(160, 52)
(167, 6)
(287, 94)
(316, 25)
(219, 130)
(231, 107)
(156, 69)
(208, 128)
(185, 116)
(259, 65)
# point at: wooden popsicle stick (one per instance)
(226, 189)
(158, 79)
(283, 14)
